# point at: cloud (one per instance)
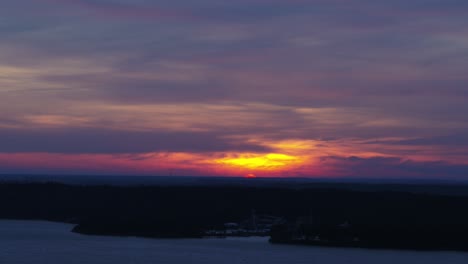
(126, 10)
(449, 140)
(394, 167)
(86, 141)
(369, 79)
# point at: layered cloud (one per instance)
(281, 88)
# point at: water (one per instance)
(53, 243)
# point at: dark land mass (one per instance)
(424, 186)
(327, 215)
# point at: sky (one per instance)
(260, 88)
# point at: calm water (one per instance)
(51, 243)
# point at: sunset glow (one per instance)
(250, 176)
(270, 161)
(288, 89)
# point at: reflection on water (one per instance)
(52, 243)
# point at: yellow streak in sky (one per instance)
(270, 161)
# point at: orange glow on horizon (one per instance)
(250, 176)
(289, 158)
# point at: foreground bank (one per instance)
(317, 216)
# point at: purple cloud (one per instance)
(126, 10)
(373, 77)
(396, 168)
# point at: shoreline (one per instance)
(322, 244)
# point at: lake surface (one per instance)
(53, 243)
